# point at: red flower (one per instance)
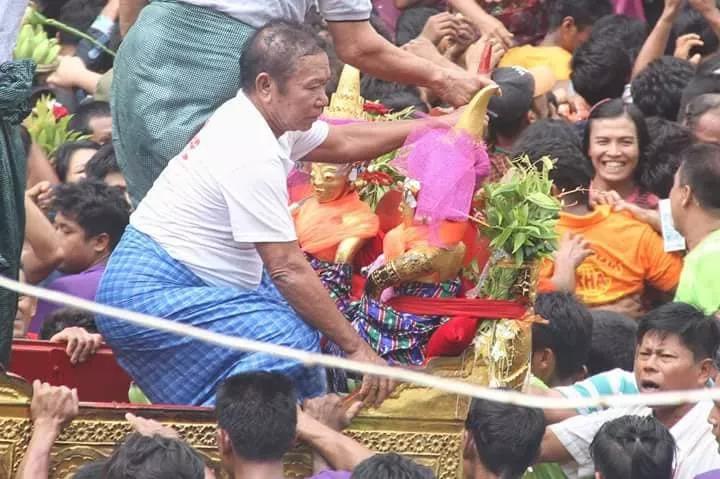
(59, 111)
(377, 178)
(375, 108)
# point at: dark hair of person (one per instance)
(154, 457)
(67, 318)
(613, 342)
(567, 334)
(275, 49)
(615, 109)
(584, 12)
(637, 447)
(258, 412)
(710, 65)
(600, 69)
(698, 332)
(667, 140)
(65, 152)
(630, 32)
(657, 90)
(557, 140)
(507, 437)
(411, 22)
(78, 14)
(95, 206)
(699, 106)
(700, 169)
(393, 95)
(390, 466)
(102, 163)
(691, 21)
(91, 470)
(700, 84)
(85, 112)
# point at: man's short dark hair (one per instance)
(275, 49)
(67, 318)
(668, 140)
(507, 437)
(613, 342)
(631, 32)
(390, 466)
(700, 84)
(86, 112)
(393, 95)
(65, 152)
(91, 470)
(258, 412)
(600, 69)
(95, 206)
(568, 333)
(698, 332)
(637, 447)
(657, 90)
(699, 106)
(700, 169)
(102, 163)
(584, 12)
(153, 457)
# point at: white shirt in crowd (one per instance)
(257, 13)
(224, 192)
(697, 450)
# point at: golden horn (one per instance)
(346, 102)
(472, 120)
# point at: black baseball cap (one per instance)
(518, 86)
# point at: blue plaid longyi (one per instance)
(171, 369)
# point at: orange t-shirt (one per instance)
(628, 254)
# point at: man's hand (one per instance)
(53, 406)
(491, 26)
(80, 343)
(332, 410)
(458, 86)
(613, 199)
(41, 194)
(441, 25)
(671, 8)
(474, 53)
(572, 251)
(703, 7)
(69, 73)
(374, 390)
(150, 427)
(684, 44)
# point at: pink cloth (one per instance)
(631, 8)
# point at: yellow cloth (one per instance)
(528, 56)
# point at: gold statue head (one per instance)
(329, 181)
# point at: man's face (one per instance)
(714, 419)
(678, 200)
(664, 363)
(101, 128)
(300, 103)
(79, 252)
(707, 129)
(76, 164)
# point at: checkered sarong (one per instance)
(176, 66)
(172, 369)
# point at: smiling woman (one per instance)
(615, 140)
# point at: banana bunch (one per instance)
(34, 43)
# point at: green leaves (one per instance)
(46, 130)
(522, 213)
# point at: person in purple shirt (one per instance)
(90, 218)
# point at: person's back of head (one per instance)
(700, 84)
(257, 416)
(95, 206)
(657, 90)
(600, 69)
(613, 342)
(668, 139)
(390, 466)
(67, 318)
(102, 163)
(560, 347)
(637, 447)
(631, 32)
(506, 437)
(91, 470)
(154, 457)
(394, 96)
(700, 171)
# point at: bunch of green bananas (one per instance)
(34, 43)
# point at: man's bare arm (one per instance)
(552, 450)
(128, 13)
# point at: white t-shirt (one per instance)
(697, 450)
(257, 13)
(224, 192)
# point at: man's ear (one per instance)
(468, 444)
(263, 86)
(101, 243)
(543, 363)
(707, 371)
(223, 443)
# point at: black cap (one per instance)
(518, 90)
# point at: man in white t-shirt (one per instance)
(676, 347)
(213, 243)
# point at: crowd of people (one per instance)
(174, 202)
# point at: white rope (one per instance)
(396, 373)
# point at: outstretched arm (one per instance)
(654, 46)
(128, 13)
